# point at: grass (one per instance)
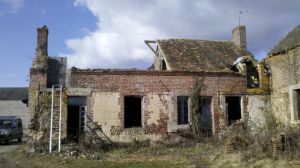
(119, 158)
(207, 154)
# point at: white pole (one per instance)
(51, 121)
(59, 133)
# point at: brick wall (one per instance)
(176, 83)
(38, 78)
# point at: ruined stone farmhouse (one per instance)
(154, 104)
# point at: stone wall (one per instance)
(285, 72)
(39, 126)
(258, 108)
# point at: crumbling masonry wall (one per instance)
(39, 111)
(159, 91)
(285, 73)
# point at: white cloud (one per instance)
(13, 5)
(123, 25)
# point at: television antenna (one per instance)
(240, 14)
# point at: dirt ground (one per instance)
(4, 148)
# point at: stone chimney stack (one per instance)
(41, 53)
(239, 38)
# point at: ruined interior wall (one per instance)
(56, 73)
(159, 92)
(106, 109)
(258, 108)
(285, 72)
(156, 108)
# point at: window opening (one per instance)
(133, 111)
(233, 109)
(205, 111)
(163, 65)
(252, 75)
(298, 103)
(182, 109)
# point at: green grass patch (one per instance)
(198, 155)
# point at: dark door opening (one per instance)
(73, 123)
(298, 103)
(233, 108)
(76, 117)
(133, 111)
(182, 110)
(205, 111)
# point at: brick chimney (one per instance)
(239, 38)
(41, 53)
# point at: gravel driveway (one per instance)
(4, 148)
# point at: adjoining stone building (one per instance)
(130, 105)
(284, 64)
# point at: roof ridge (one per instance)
(289, 41)
(158, 40)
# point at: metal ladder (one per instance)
(55, 120)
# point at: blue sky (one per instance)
(110, 33)
(18, 34)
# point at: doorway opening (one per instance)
(76, 118)
(182, 110)
(205, 111)
(233, 109)
(133, 111)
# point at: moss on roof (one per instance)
(199, 55)
(290, 41)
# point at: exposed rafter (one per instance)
(148, 42)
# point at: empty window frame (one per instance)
(163, 64)
(182, 109)
(132, 111)
(205, 112)
(252, 75)
(296, 104)
(233, 109)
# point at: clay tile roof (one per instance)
(199, 55)
(290, 41)
(19, 93)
